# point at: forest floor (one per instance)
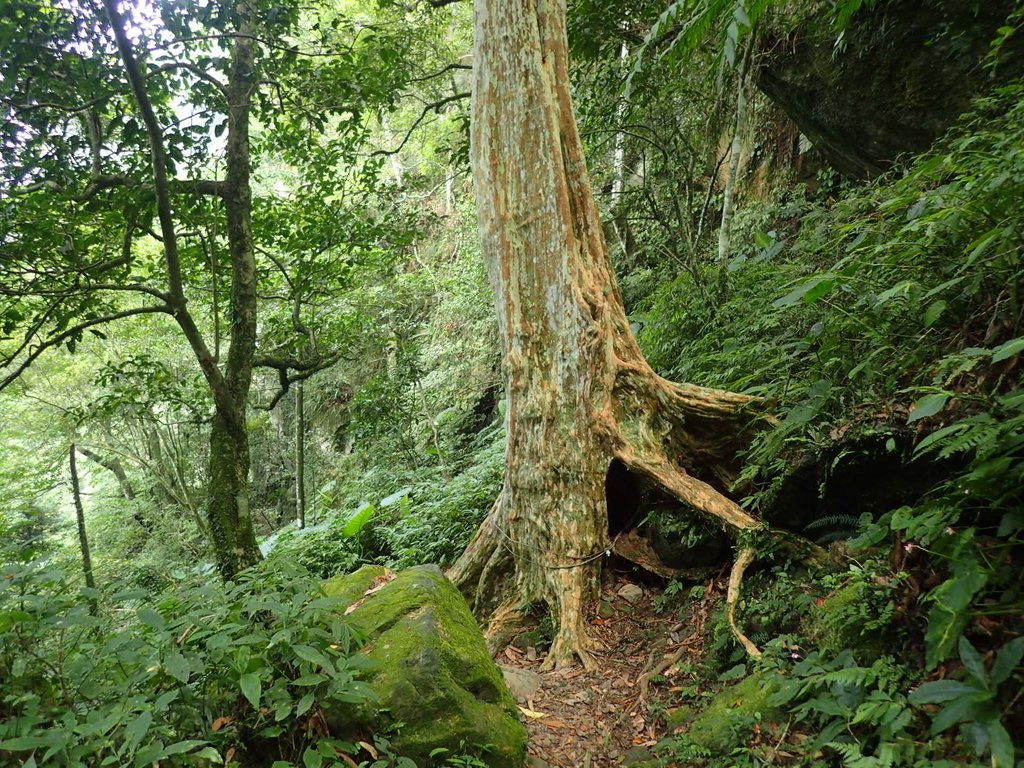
(613, 714)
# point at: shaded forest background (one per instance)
(820, 207)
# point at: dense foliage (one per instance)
(881, 320)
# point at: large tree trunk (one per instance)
(579, 391)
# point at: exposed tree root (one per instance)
(666, 663)
(506, 622)
(743, 559)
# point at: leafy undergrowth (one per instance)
(415, 517)
(202, 676)
(893, 310)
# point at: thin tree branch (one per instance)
(74, 331)
(440, 72)
(164, 212)
(97, 184)
(303, 370)
(434, 107)
(198, 72)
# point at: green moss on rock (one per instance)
(854, 617)
(731, 714)
(437, 686)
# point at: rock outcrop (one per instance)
(902, 74)
(437, 687)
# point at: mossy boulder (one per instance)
(436, 685)
(730, 716)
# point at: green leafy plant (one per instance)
(974, 701)
(182, 679)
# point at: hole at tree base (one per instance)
(622, 495)
(679, 535)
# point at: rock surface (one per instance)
(523, 684)
(436, 685)
(904, 72)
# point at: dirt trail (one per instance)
(600, 718)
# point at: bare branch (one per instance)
(433, 107)
(26, 108)
(73, 332)
(63, 293)
(97, 184)
(440, 72)
(303, 370)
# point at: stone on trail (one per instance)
(523, 684)
(436, 685)
(631, 593)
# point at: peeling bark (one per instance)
(579, 391)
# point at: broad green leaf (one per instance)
(1001, 745)
(176, 666)
(251, 688)
(959, 710)
(927, 406)
(1007, 660)
(314, 679)
(304, 704)
(395, 497)
(734, 673)
(810, 291)
(19, 743)
(934, 312)
(939, 691)
(312, 655)
(149, 754)
(136, 730)
(151, 618)
(972, 660)
(164, 699)
(311, 758)
(947, 618)
(211, 754)
(1008, 350)
(182, 746)
(358, 521)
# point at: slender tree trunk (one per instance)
(115, 467)
(83, 539)
(229, 513)
(579, 392)
(728, 195)
(300, 456)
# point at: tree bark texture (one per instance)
(579, 392)
(83, 538)
(729, 193)
(300, 456)
(228, 510)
